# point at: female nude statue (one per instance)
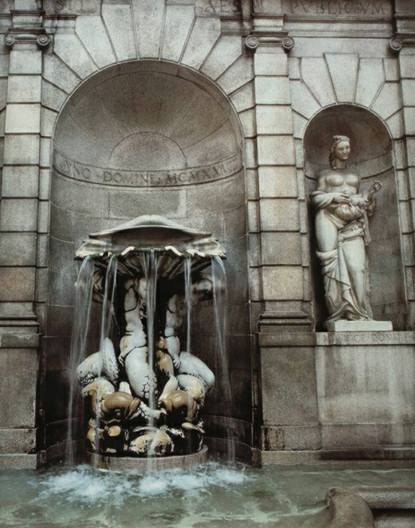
(342, 235)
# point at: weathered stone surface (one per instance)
(371, 78)
(224, 53)
(289, 391)
(279, 215)
(117, 19)
(275, 150)
(47, 122)
(19, 391)
(205, 33)
(365, 384)
(239, 74)
(25, 62)
(359, 326)
(407, 66)
(315, 74)
(270, 62)
(388, 101)
(274, 119)
(17, 440)
(57, 72)
(45, 146)
(343, 70)
(52, 97)
(248, 122)
(408, 92)
(70, 50)
(148, 19)
(127, 205)
(24, 89)
(20, 182)
(277, 182)
(391, 69)
(281, 248)
(409, 119)
(18, 283)
(93, 35)
(18, 215)
(18, 461)
(179, 20)
(21, 149)
(23, 118)
(302, 100)
(43, 216)
(272, 90)
(396, 125)
(302, 438)
(282, 282)
(17, 249)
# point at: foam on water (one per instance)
(89, 486)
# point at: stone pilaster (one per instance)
(282, 272)
(286, 340)
(19, 234)
(403, 43)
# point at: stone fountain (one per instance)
(144, 391)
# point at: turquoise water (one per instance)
(212, 495)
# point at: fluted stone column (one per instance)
(19, 237)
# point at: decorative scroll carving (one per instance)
(252, 42)
(129, 178)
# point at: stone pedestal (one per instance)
(330, 396)
(359, 326)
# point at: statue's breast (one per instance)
(334, 179)
(352, 180)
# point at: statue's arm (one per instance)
(321, 198)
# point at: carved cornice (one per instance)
(402, 40)
(28, 28)
(254, 40)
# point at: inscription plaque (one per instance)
(160, 178)
(373, 8)
(217, 7)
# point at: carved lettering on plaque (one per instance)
(128, 178)
(373, 8)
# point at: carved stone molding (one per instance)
(253, 41)
(401, 40)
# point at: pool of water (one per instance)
(212, 495)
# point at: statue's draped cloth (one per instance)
(341, 299)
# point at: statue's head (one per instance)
(339, 151)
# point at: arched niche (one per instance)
(148, 137)
(372, 159)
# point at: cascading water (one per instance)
(220, 294)
(107, 361)
(188, 298)
(145, 392)
(82, 311)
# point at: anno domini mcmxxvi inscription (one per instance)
(147, 178)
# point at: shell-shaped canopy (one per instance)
(133, 240)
